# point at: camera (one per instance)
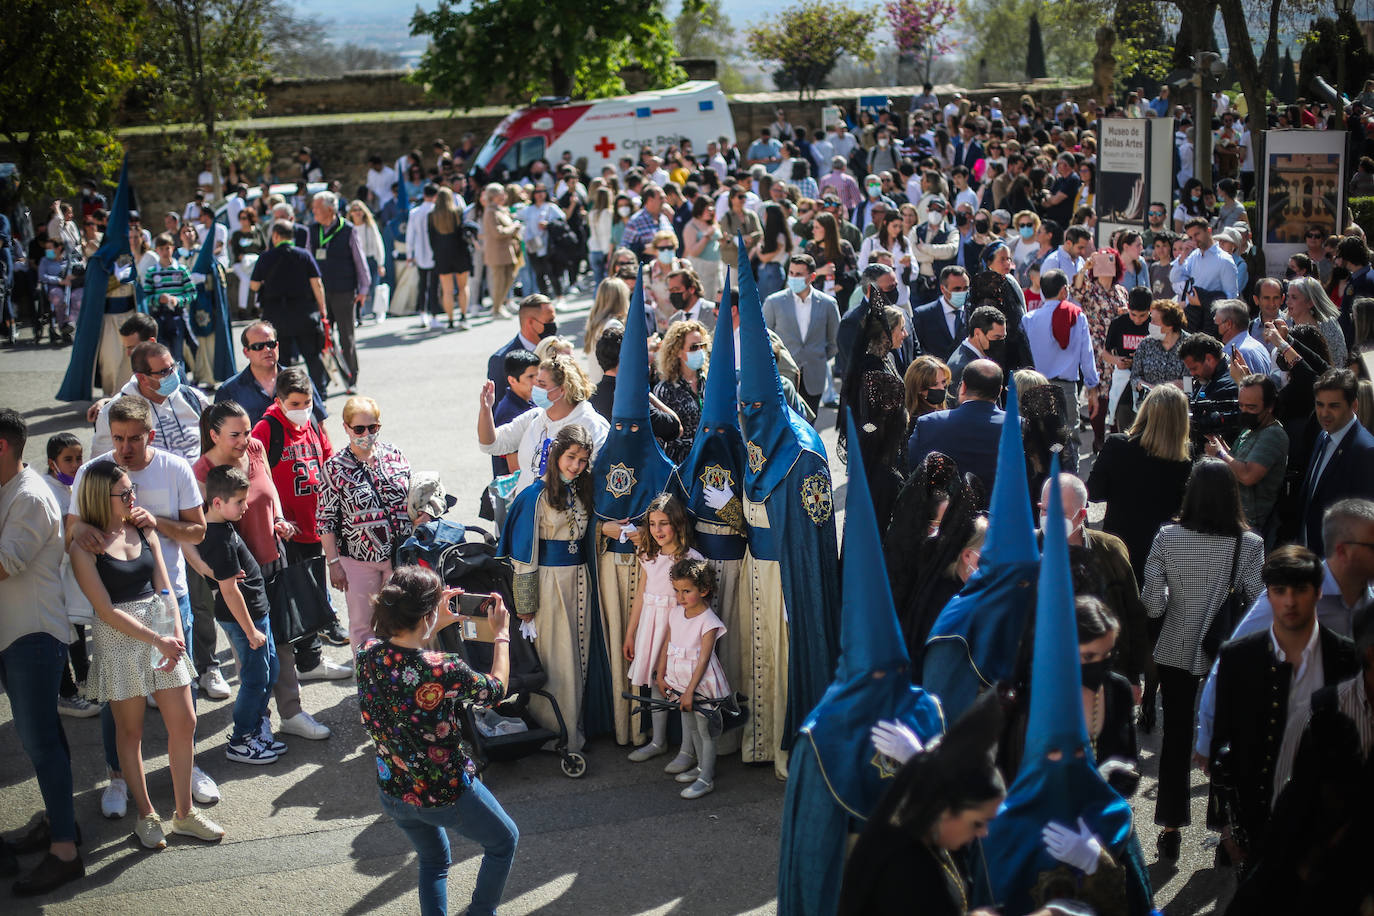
(1214, 418)
(470, 604)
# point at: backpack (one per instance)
(276, 437)
(564, 245)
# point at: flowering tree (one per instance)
(807, 41)
(917, 27)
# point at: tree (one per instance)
(65, 66)
(522, 48)
(1000, 35)
(808, 39)
(919, 27)
(211, 59)
(1035, 54)
(1288, 78)
(702, 29)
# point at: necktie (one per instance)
(1322, 442)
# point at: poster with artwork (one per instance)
(1134, 161)
(1302, 189)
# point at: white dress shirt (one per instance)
(803, 307)
(1308, 675)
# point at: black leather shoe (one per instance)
(49, 875)
(1169, 844)
(38, 838)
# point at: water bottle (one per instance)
(162, 625)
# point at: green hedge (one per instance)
(1361, 209)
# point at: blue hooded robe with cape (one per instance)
(1023, 875)
(630, 471)
(835, 777)
(100, 267)
(789, 510)
(210, 313)
(976, 640)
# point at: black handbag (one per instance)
(298, 595)
(1225, 620)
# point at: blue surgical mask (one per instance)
(696, 359)
(666, 255)
(1027, 232)
(50, 254)
(957, 299)
(797, 284)
(182, 252)
(540, 397)
(168, 385)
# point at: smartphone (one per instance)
(1104, 265)
(471, 604)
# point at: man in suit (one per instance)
(808, 321)
(537, 321)
(986, 339)
(1342, 463)
(1264, 683)
(968, 434)
(939, 324)
(1354, 256)
(967, 149)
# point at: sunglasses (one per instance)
(365, 430)
(161, 373)
(665, 248)
(1025, 225)
(695, 347)
(127, 496)
(1314, 235)
(263, 345)
(1156, 212)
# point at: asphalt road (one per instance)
(306, 835)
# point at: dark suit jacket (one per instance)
(496, 366)
(932, 331)
(1251, 714)
(969, 434)
(850, 324)
(1350, 472)
(959, 357)
(967, 157)
(301, 236)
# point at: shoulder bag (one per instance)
(298, 596)
(1227, 616)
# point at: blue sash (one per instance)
(560, 553)
(720, 546)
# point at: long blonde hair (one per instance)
(1161, 426)
(924, 372)
(612, 302)
(446, 215)
(669, 359)
(362, 208)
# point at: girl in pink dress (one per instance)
(691, 673)
(665, 540)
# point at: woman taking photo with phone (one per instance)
(411, 702)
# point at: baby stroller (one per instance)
(472, 566)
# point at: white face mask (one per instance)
(1069, 526)
(431, 622)
(298, 417)
(1156, 332)
(935, 218)
(623, 211)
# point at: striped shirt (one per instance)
(1186, 582)
(1352, 698)
(175, 281)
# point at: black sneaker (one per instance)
(335, 635)
(1169, 844)
(49, 875)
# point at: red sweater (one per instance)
(299, 471)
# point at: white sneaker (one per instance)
(303, 725)
(213, 685)
(249, 750)
(203, 788)
(114, 801)
(78, 707)
(325, 671)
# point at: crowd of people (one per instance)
(666, 510)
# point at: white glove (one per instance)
(716, 498)
(527, 630)
(627, 532)
(1079, 849)
(895, 740)
(1114, 765)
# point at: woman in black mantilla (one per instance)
(874, 391)
(914, 851)
(932, 546)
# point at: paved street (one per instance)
(306, 836)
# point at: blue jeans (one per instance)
(31, 673)
(476, 815)
(257, 673)
(771, 279)
(107, 725)
(597, 260)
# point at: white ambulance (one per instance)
(602, 131)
